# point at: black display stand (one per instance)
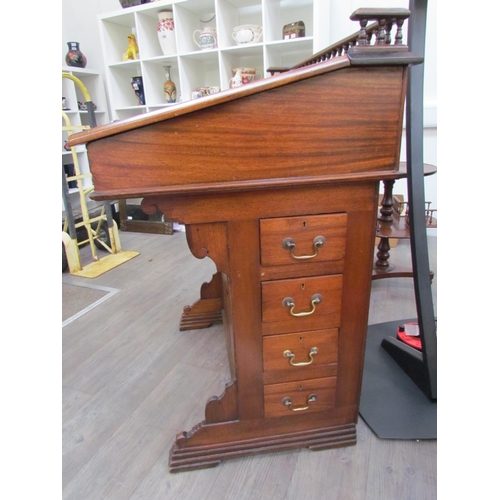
(391, 404)
(422, 369)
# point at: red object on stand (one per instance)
(411, 340)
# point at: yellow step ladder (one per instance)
(101, 230)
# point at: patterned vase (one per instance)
(75, 57)
(169, 87)
(166, 32)
(137, 85)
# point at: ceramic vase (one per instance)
(169, 87)
(137, 85)
(75, 57)
(166, 32)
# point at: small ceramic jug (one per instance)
(242, 76)
(206, 38)
(203, 91)
(236, 80)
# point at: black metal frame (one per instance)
(420, 367)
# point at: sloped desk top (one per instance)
(337, 120)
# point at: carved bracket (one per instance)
(223, 408)
(209, 240)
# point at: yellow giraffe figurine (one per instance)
(132, 49)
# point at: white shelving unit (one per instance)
(94, 83)
(192, 67)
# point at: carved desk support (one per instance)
(286, 209)
(242, 421)
(206, 311)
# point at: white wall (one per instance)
(80, 24)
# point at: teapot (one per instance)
(206, 38)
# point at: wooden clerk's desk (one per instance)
(277, 182)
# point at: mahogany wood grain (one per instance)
(314, 200)
(242, 434)
(331, 227)
(206, 311)
(303, 268)
(325, 341)
(202, 314)
(187, 107)
(244, 287)
(355, 299)
(336, 139)
(300, 373)
(278, 318)
(211, 454)
(323, 389)
(223, 408)
(209, 240)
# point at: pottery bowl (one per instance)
(247, 33)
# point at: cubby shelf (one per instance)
(192, 67)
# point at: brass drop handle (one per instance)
(289, 354)
(315, 299)
(288, 402)
(289, 244)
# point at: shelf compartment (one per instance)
(68, 92)
(232, 13)
(115, 33)
(288, 53)
(147, 23)
(199, 69)
(191, 16)
(282, 12)
(250, 56)
(154, 78)
(120, 79)
(100, 116)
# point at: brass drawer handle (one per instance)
(289, 354)
(315, 299)
(288, 402)
(289, 244)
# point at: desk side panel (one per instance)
(345, 121)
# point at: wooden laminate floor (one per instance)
(132, 380)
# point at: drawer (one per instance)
(300, 352)
(300, 356)
(292, 240)
(301, 304)
(299, 398)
